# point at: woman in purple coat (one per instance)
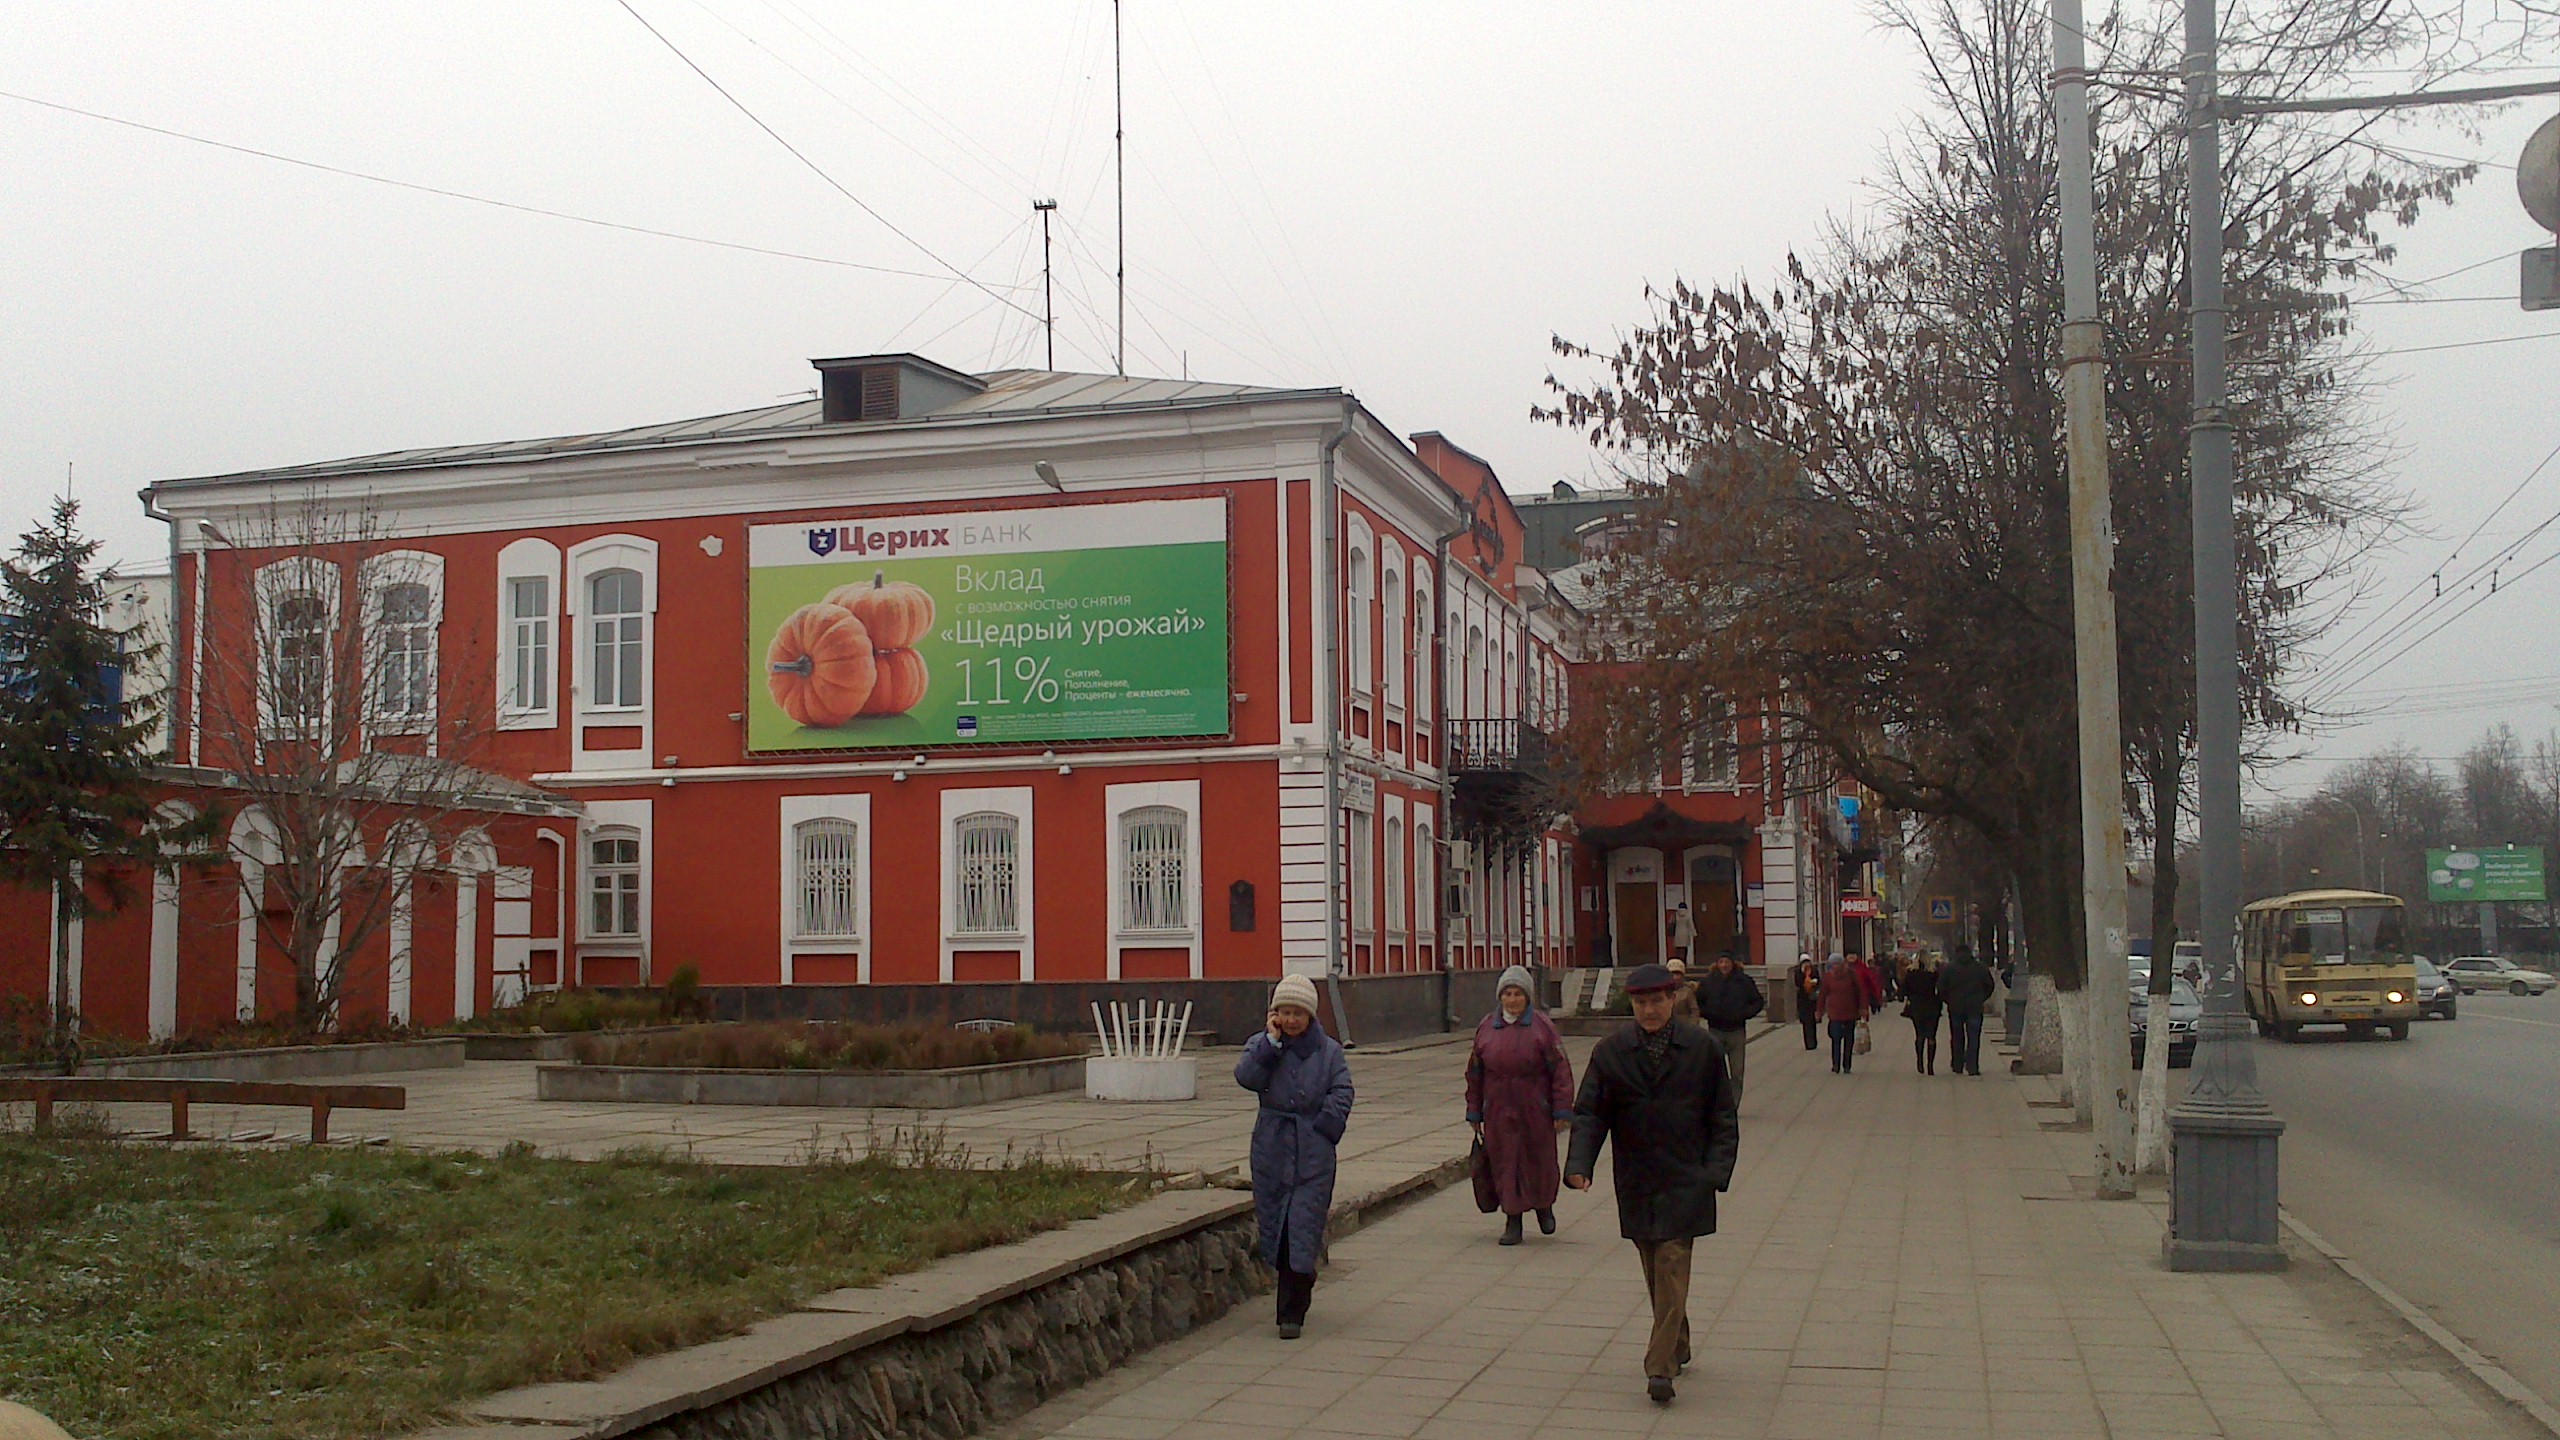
(1519, 1097)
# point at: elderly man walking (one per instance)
(1658, 1091)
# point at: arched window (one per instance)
(613, 883)
(830, 882)
(987, 843)
(1155, 845)
(298, 661)
(1395, 875)
(1357, 620)
(1475, 677)
(617, 634)
(1398, 644)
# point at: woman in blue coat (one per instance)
(1305, 1086)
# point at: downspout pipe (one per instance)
(1328, 572)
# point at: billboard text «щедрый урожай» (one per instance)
(991, 627)
(2489, 872)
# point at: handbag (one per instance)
(1866, 1039)
(1480, 1171)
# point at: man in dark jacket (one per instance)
(1659, 1091)
(1966, 988)
(1727, 999)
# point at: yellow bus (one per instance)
(2328, 957)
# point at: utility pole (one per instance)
(1048, 298)
(2108, 1090)
(2222, 1189)
(1120, 194)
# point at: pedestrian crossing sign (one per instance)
(1942, 910)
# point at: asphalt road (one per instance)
(2436, 1163)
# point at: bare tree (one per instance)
(327, 713)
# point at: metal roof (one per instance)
(1009, 393)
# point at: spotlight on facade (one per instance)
(1049, 476)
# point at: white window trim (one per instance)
(1396, 868)
(796, 810)
(1009, 800)
(376, 575)
(1117, 802)
(293, 575)
(1422, 838)
(631, 815)
(1361, 881)
(585, 560)
(1395, 650)
(528, 559)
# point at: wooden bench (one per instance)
(45, 1090)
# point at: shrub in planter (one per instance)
(824, 1045)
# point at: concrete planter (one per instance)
(1125, 1078)
(288, 1062)
(550, 1046)
(849, 1089)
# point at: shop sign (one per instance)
(992, 627)
(1857, 907)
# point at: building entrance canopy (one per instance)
(1662, 828)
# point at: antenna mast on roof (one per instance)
(1120, 190)
(1048, 304)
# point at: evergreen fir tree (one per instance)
(75, 767)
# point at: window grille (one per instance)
(613, 885)
(404, 652)
(614, 620)
(987, 844)
(529, 643)
(298, 625)
(1155, 851)
(828, 880)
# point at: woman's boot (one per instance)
(1510, 1229)
(1547, 1222)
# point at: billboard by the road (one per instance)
(2491, 872)
(999, 627)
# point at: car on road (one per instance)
(2186, 1011)
(2436, 993)
(2475, 973)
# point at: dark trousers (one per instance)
(1924, 1042)
(1966, 1040)
(1297, 1288)
(1844, 1043)
(1811, 1015)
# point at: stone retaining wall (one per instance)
(857, 1089)
(288, 1062)
(1004, 1360)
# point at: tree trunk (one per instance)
(66, 1015)
(2040, 1043)
(2073, 1007)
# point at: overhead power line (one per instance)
(814, 167)
(447, 193)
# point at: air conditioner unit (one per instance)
(1462, 879)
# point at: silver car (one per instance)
(2186, 1011)
(2475, 973)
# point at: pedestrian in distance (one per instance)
(1966, 989)
(1684, 1004)
(1870, 979)
(1806, 979)
(1727, 997)
(1684, 937)
(1658, 1093)
(1519, 1099)
(1305, 1085)
(1844, 1006)
(1920, 1005)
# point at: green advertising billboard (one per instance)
(1006, 627)
(2496, 872)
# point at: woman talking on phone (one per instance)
(1305, 1086)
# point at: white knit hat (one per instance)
(1295, 990)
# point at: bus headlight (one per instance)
(2308, 998)
(2394, 996)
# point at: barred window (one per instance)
(1155, 893)
(987, 843)
(829, 886)
(613, 884)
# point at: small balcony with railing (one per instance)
(1503, 778)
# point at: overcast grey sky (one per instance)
(1405, 199)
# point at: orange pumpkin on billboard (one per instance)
(896, 613)
(901, 683)
(821, 666)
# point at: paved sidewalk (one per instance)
(1900, 1256)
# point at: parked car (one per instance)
(2436, 993)
(2475, 973)
(2186, 1011)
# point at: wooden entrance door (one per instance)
(1636, 922)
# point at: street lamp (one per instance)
(2352, 810)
